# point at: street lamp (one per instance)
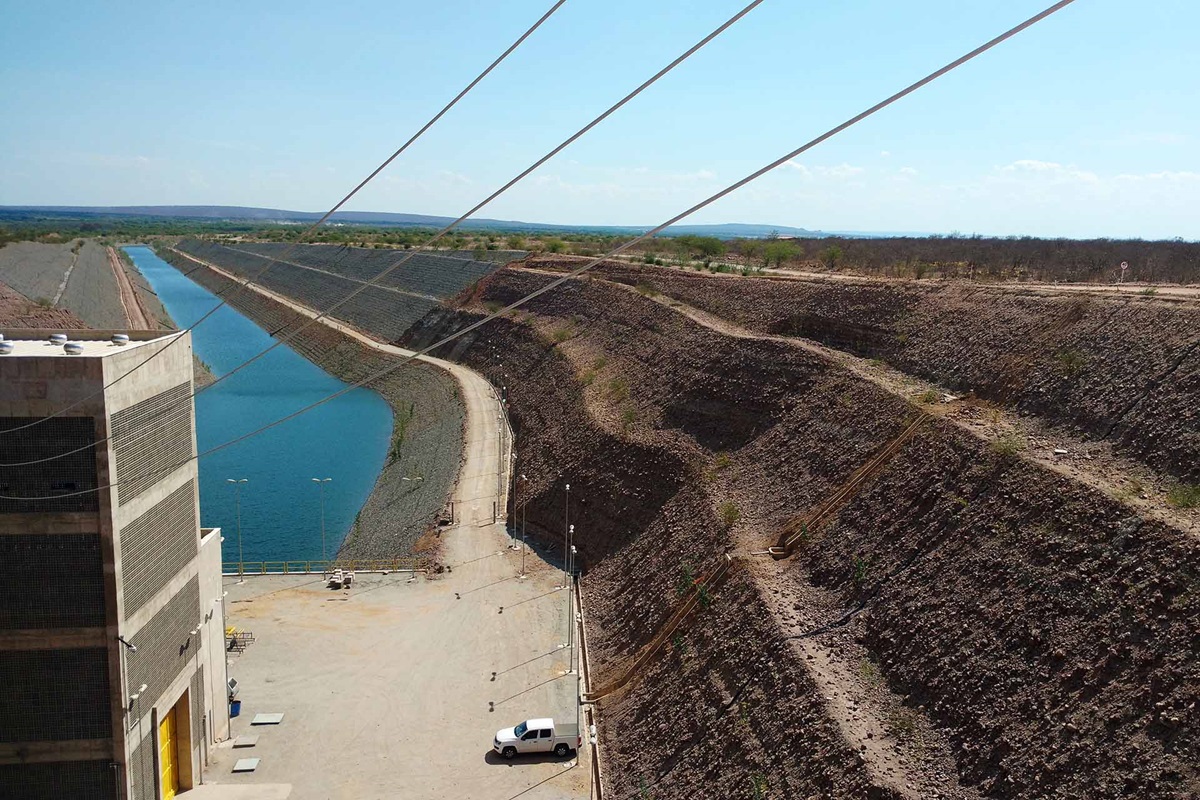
(320, 482)
(570, 611)
(566, 531)
(237, 501)
(525, 501)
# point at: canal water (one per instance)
(345, 439)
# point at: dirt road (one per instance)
(134, 313)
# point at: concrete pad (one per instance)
(246, 764)
(245, 741)
(364, 683)
(229, 791)
(267, 719)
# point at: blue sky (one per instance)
(1086, 125)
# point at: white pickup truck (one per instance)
(537, 736)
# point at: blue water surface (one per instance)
(345, 439)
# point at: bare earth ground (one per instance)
(131, 303)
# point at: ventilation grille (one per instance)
(151, 439)
(157, 545)
(65, 476)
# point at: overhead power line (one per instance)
(613, 252)
(146, 429)
(324, 218)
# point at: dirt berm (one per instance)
(1125, 369)
(966, 624)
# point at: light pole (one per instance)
(237, 502)
(570, 607)
(566, 531)
(571, 612)
(320, 482)
(578, 667)
(525, 501)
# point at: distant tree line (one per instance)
(1023, 258)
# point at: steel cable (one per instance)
(615, 251)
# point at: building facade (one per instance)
(112, 658)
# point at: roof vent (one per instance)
(6, 348)
(58, 338)
(120, 339)
(73, 348)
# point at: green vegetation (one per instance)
(862, 568)
(1184, 495)
(1071, 362)
(687, 579)
(1008, 446)
(870, 673)
(729, 513)
(400, 432)
(928, 397)
(902, 723)
(618, 389)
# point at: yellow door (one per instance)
(167, 756)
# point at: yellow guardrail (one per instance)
(310, 567)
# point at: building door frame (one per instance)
(178, 756)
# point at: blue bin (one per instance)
(235, 708)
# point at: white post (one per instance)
(237, 502)
(320, 482)
(566, 531)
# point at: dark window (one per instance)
(528, 736)
(544, 735)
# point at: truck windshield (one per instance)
(520, 730)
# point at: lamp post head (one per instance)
(568, 487)
(237, 480)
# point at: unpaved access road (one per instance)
(135, 315)
(395, 689)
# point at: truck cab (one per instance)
(537, 736)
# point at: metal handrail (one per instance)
(310, 567)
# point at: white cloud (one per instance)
(803, 170)
(885, 154)
(909, 171)
(1173, 177)
(1050, 170)
(840, 171)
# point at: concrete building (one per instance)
(112, 657)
